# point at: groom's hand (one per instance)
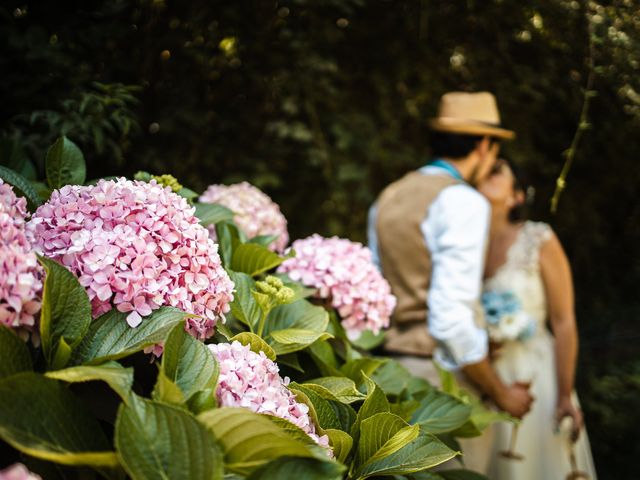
(515, 399)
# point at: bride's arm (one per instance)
(556, 274)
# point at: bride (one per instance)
(528, 271)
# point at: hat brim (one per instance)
(464, 127)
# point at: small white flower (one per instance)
(512, 326)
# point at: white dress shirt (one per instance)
(455, 231)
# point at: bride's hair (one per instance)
(521, 183)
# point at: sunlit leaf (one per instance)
(343, 389)
(440, 413)
(110, 337)
(256, 344)
(187, 363)
(376, 402)
(426, 451)
(244, 306)
(254, 259)
(291, 340)
(120, 379)
(382, 435)
(341, 443)
(322, 412)
(66, 313)
(249, 440)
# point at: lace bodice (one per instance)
(520, 273)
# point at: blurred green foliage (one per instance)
(322, 103)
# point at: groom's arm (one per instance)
(372, 235)
(456, 230)
(514, 399)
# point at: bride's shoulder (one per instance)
(533, 237)
(538, 232)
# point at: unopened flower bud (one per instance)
(170, 181)
(274, 282)
(285, 295)
(264, 287)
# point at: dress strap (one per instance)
(540, 232)
(525, 252)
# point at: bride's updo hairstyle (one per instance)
(521, 183)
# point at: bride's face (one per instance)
(498, 186)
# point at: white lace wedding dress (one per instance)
(546, 453)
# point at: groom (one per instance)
(428, 231)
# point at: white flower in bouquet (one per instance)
(512, 325)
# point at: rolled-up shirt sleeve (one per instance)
(455, 231)
(372, 235)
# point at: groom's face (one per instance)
(488, 151)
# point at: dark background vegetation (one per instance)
(323, 102)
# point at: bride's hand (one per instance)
(566, 408)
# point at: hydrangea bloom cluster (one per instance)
(136, 246)
(251, 380)
(254, 212)
(20, 273)
(345, 275)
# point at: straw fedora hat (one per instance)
(470, 114)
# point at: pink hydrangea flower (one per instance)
(251, 380)
(136, 246)
(18, 471)
(13, 213)
(254, 211)
(20, 273)
(343, 272)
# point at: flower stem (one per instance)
(570, 153)
(263, 318)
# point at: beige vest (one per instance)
(405, 259)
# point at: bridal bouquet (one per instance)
(506, 321)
